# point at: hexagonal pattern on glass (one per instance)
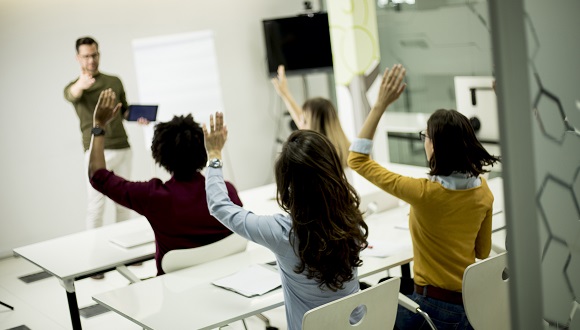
(558, 300)
(576, 186)
(560, 209)
(572, 271)
(558, 198)
(544, 233)
(575, 323)
(550, 119)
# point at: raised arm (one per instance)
(391, 88)
(262, 229)
(281, 85)
(359, 159)
(74, 91)
(105, 111)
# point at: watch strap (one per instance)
(97, 131)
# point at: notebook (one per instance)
(129, 240)
(254, 280)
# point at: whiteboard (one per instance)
(180, 74)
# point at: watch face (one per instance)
(215, 163)
(98, 131)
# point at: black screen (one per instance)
(300, 43)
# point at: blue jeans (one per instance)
(444, 315)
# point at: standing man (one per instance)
(84, 93)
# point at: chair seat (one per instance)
(178, 259)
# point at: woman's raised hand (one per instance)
(216, 136)
(392, 86)
(280, 83)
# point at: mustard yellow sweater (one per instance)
(449, 228)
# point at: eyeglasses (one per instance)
(87, 57)
(423, 135)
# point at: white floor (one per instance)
(43, 305)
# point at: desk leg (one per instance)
(73, 306)
(6, 305)
(128, 274)
(407, 284)
(406, 270)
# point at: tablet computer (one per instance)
(148, 112)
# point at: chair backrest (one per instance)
(183, 258)
(379, 300)
(485, 293)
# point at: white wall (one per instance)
(42, 176)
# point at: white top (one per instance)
(166, 302)
(88, 252)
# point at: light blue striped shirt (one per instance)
(300, 293)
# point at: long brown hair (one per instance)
(327, 225)
(324, 119)
(455, 146)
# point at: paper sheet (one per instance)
(384, 248)
(254, 280)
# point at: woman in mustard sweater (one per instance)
(450, 216)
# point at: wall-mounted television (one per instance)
(300, 43)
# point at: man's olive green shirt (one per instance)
(115, 135)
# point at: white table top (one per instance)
(186, 299)
(261, 200)
(87, 252)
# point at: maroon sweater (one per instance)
(176, 210)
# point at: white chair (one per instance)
(183, 258)
(485, 294)
(381, 309)
(178, 259)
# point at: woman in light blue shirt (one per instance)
(317, 244)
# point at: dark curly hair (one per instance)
(326, 222)
(178, 146)
(455, 146)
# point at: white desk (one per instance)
(87, 253)
(186, 299)
(261, 200)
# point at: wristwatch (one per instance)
(215, 163)
(97, 131)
